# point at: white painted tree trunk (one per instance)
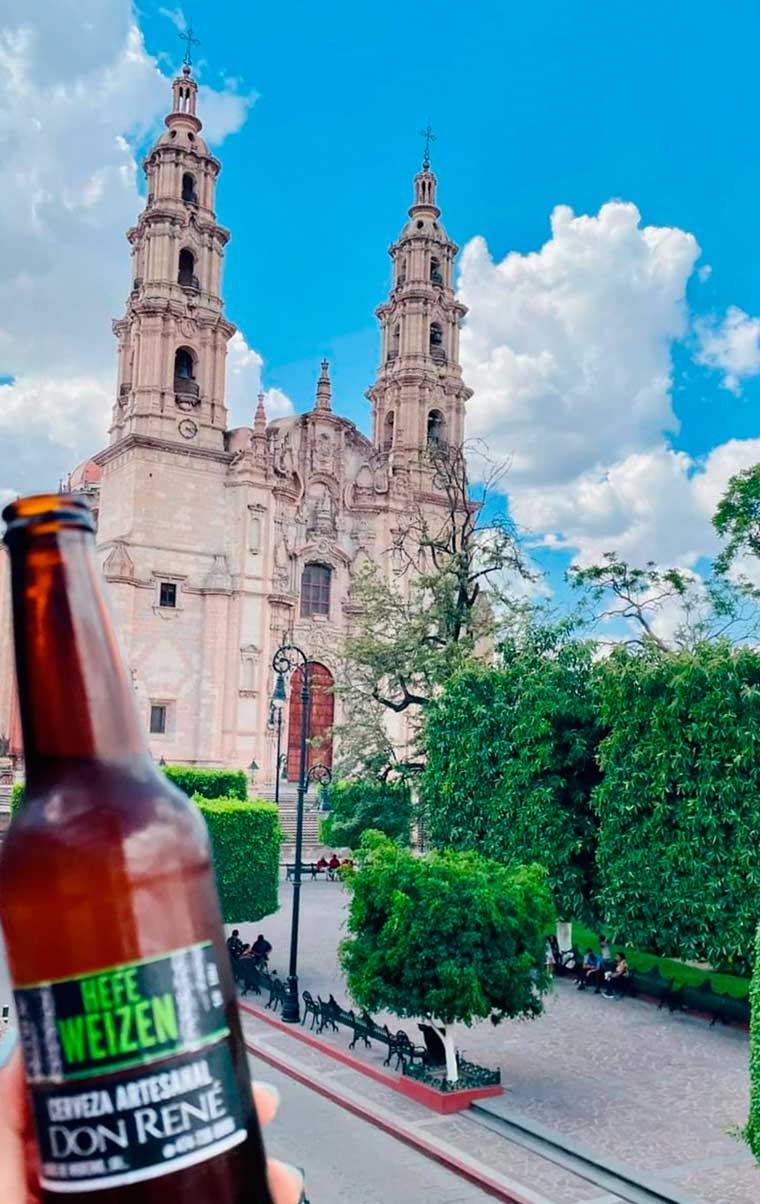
(447, 1036)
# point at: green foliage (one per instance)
(209, 783)
(18, 794)
(737, 519)
(448, 935)
(245, 842)
(674, 971)
(752, 1131)
(679, 801)
(511, 765)
(361, 804)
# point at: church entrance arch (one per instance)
(321, 716)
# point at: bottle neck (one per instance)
(76, 700)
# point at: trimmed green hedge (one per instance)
(752, 1131)
(362, 805)
(679, 801)
(511, 765)
(18, 794)
(208, 783)
(245, 842)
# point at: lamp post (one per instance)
(285, 659)
(275, 720)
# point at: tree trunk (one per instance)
(447, 1036)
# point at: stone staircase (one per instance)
(288, 810)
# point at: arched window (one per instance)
(401, 276)
(435, 428)
(315, 590)
(436, 335)
(188, 188)
(435, 271)
(184, 364)
(186, 275)
(388, 431)
(395, 342)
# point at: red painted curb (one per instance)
(443, 1102)
(451, 1163)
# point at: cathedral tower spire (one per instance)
(418, 398)
(173, 337)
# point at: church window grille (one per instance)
(186, 275)
(157, 720)
(436, 276)
(315, 590)
(167, 594)
(436, 334)
(388, 433)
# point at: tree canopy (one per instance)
(737, 518)
(451, 936)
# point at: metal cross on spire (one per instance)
(190, 41)
(429, 137)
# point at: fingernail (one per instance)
(8, 1043)
(271, 1091)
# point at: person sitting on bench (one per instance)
(333, 865)
(261, 950)
(322, 864)
(591, 970)
(234, 944)
(617, 980)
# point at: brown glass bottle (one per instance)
(134, 1054)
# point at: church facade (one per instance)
(219, 545)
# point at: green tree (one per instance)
(679, 800)
(451, 937)
(737, 518)
(362, 804)
(510, 764)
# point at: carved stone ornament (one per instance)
(187, 428)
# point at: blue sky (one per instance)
(534, 105)
(598, 165)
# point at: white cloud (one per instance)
(731, 346)
(569, 352)
(70, 124)
(568, 349)
(244, 385)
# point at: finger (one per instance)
(267, 1101)
(17, 1153)
(285, 1183)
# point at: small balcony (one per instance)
(136, 284)
(391, 356)
(188, 280)
(438, 355)
(125, 388)
(436, 277)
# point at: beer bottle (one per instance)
(135, 1063)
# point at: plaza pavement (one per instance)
(666, 1095)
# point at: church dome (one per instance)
(85, 475)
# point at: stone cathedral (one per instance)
(218, 544)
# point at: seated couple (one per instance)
(592, 970)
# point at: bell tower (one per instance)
(418, 397)
(173, 338)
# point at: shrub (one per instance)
(679, 801)
(361, 804)
(208, 783)
(245, 842)
(18, 794)
(511, 766)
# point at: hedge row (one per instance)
(245, 843)
(208, 783)
(634, 781)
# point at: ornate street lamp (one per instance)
(285, 659)
(275, 721)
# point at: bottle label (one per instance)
(130, 1071)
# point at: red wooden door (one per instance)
(321, 714)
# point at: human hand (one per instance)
(18, 1150)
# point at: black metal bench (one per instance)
(310, 1009)
(363, 1028)
(308, 869)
